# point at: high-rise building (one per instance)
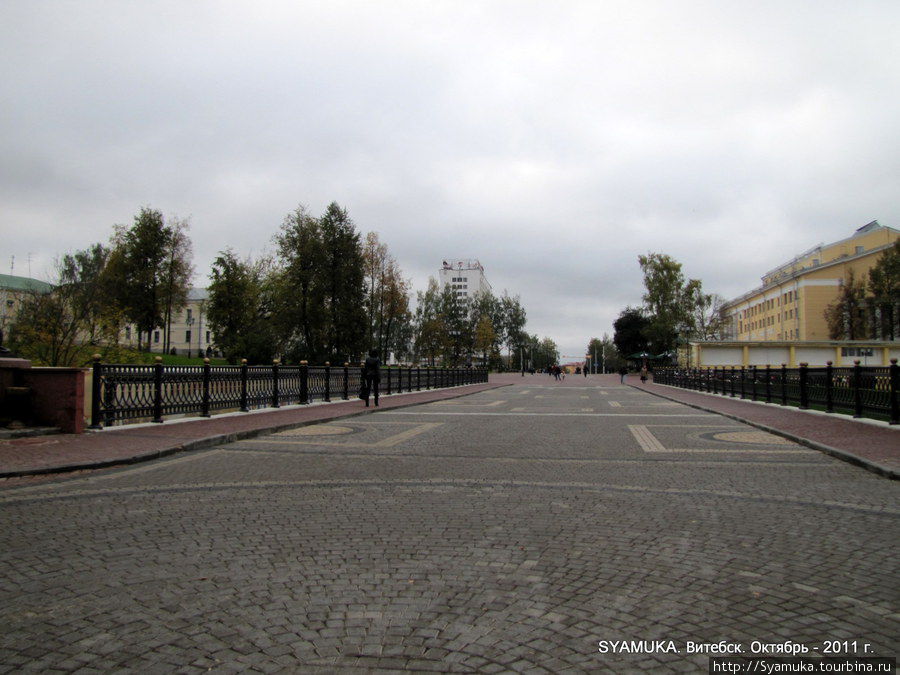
(465, 277)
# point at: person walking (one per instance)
(371, 376)
(644, 373)
(623, 372)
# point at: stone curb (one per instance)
(220, 439)
(843, 455)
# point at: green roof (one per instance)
(13, 283)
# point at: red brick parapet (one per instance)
(57, 397)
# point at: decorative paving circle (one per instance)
(757, 437)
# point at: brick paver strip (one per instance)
(876, 448)
(123, 445)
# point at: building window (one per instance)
(190, 316)
(187, 336)
(127, 332)
(860, 249)
(207, 337)
(156, 336)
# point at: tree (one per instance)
(301, 291)
(884, 287)
(240, 309)
(513, 322)
(140, 265)
(485, 338)
(630, 334)
(706, 321)
(547, 353)
(604, 355)
(176, 275)
(846, 315)
(390, 321)
(666, 299)
(342, 263)
(431, 329)
(64, 326)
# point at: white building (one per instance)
(464, 277)
(189, 332)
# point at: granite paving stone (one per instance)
(496, 532)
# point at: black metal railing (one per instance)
(861, 391)
(122, 394)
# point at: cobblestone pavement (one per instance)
(510, 530)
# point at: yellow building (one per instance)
(790, 305)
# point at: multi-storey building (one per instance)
(13, 291)
(791, 302)
(464, 277)
(783, 320)
(189, 331)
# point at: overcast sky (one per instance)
(554, 141)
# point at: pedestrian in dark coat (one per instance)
(371, 376)
(623, 371)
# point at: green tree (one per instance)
(513, 324)
(547, 353)
(342, 263)
(240, 309)
(141, 265)
(390, 321)
(176, 277)
(485, 338)
(667, 299)
(605, 356)
(630, 332)
(431, 329)
(64, 326)
(884, 287)
(301, 290)
(846, 316)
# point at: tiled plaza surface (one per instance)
(509, 530)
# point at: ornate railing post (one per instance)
(715, 380)
(96, 376)
(804, 389)
(895, 392)
(388, 379)
(304, 382)
(768, 383)
(275, 398)
(204, 404)
(157, 390)
(829, 391)
(783, 384)
(857, 389)
(327, 395)
(346, 381)
(743, 386)
(753, 383)
(418, 378)
(731, 382)
(244, 404)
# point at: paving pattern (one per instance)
(511, 530)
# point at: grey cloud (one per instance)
(554, 143)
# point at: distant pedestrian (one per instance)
(585, 370)
(643, 374)
(371, 377)
(623, 373)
